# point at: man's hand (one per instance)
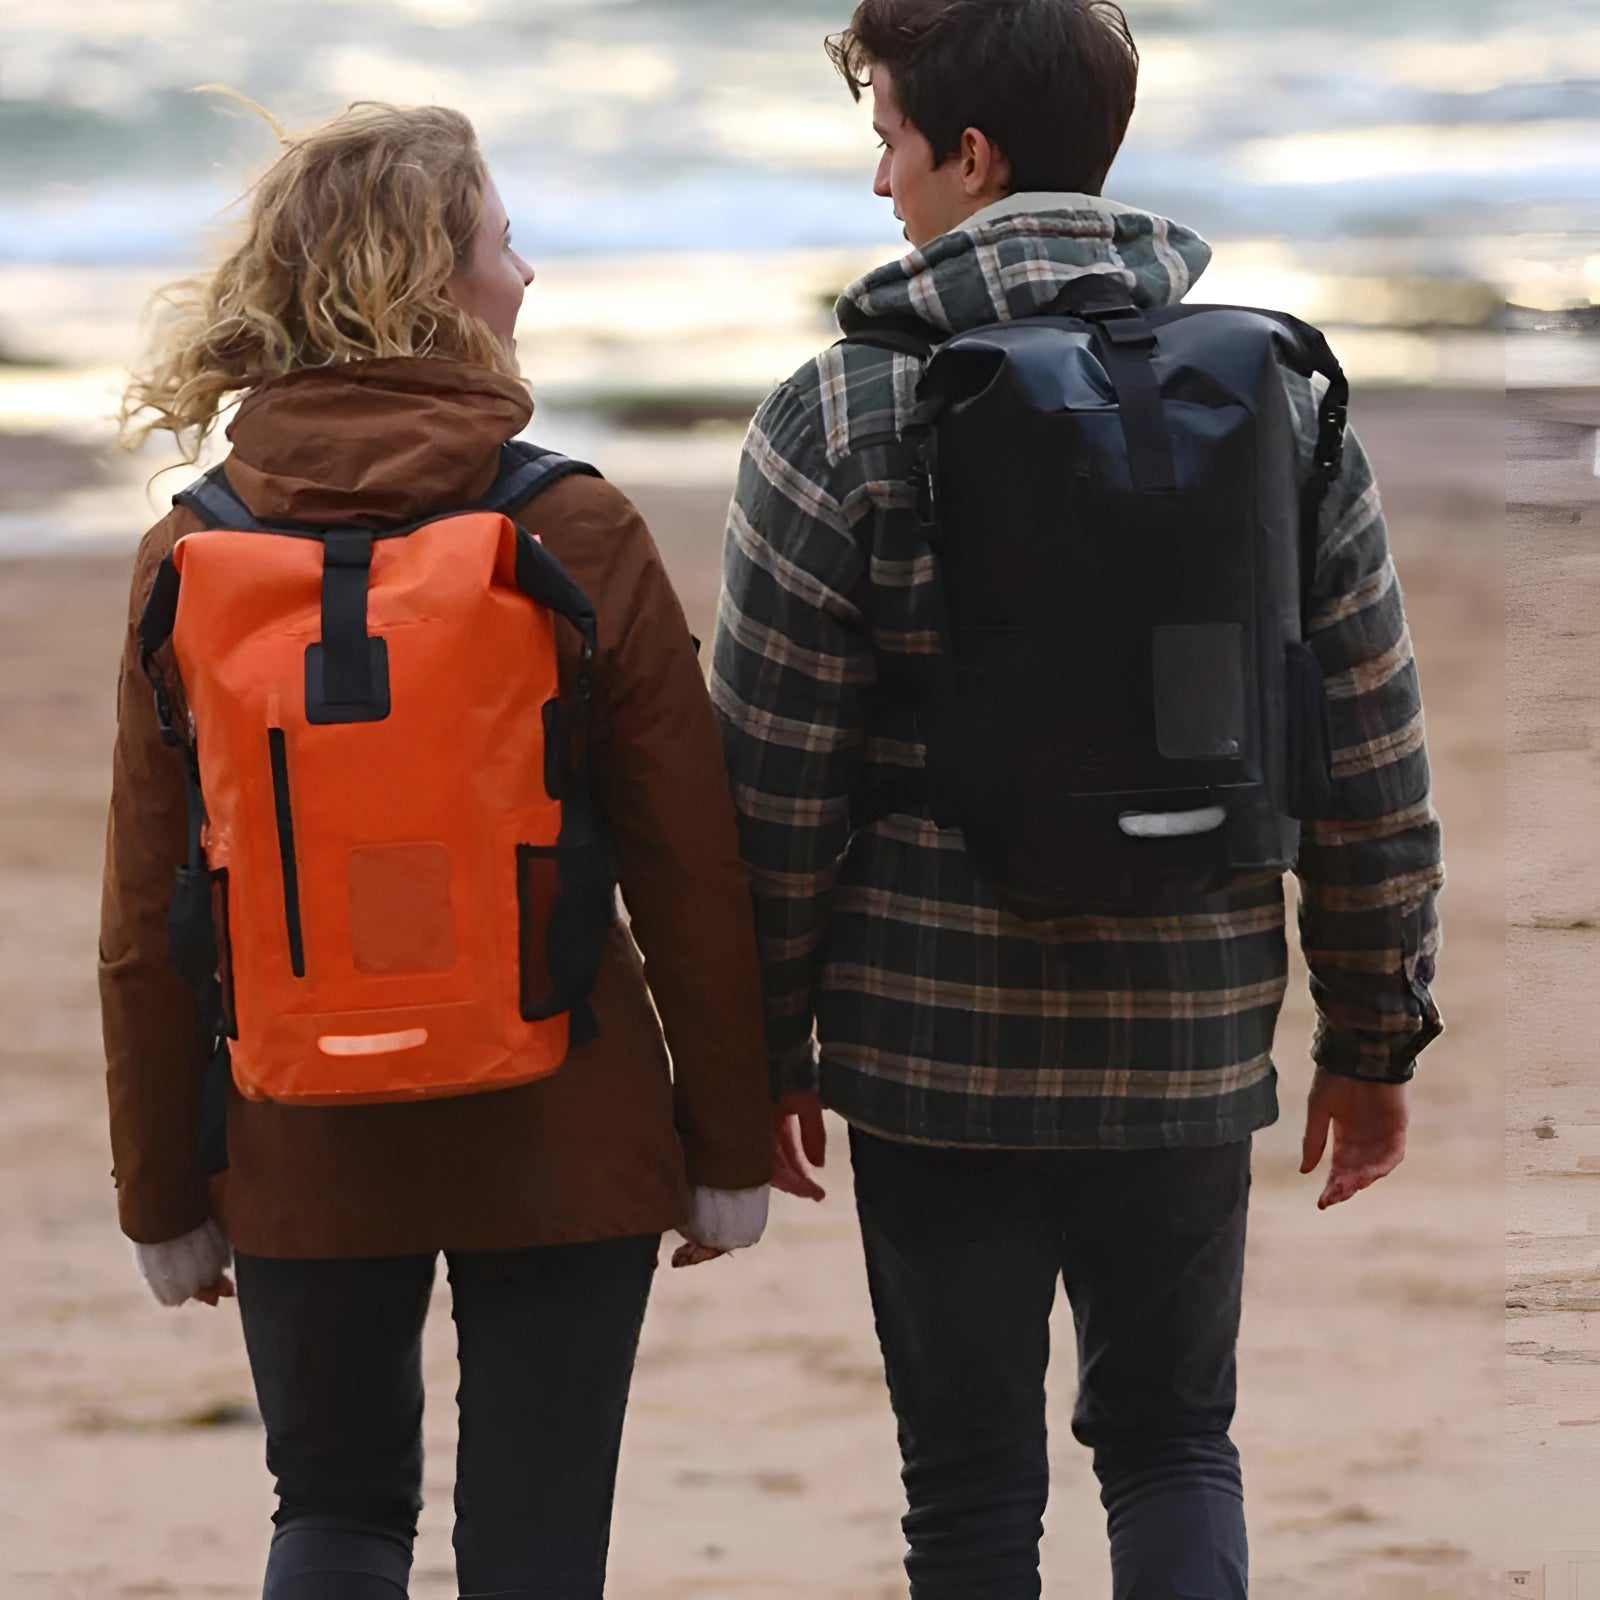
(801, 1138)
(1369, 1122)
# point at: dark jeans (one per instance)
(546, 1340)
(964, 1253)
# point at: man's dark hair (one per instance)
(1051, 82)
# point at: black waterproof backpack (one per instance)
(1124, 714)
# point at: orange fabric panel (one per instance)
(405, 831)
(401, 919)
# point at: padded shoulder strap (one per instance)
(902, 338)
(212, 499)
(527, 470)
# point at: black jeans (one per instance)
(546, 1338)
(964, 1253)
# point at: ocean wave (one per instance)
(718, 124)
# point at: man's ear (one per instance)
(985, 170)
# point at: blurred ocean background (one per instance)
(693, 183)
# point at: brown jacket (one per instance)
(608, 1145)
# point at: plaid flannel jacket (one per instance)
(896, 981)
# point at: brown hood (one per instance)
(372, 442)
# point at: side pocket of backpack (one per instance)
(1310, 744)
(566, 903)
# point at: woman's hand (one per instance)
(215, 1293)
(194, 1267)
(721, 1220)
(690, 1254)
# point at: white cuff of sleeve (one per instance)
(179, 1269)
(726, 1219)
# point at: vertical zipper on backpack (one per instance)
(279, 748)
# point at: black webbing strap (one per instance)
(909, 337)
(212, 499)
(1333, 417)
(541, 577)
(160, 614)
(586, 905)
(1126, 345)
(155, 629)
(191, 931)
(527, 470)
(156, 622)
(544, 580)
(346, 646)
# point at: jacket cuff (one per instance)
(1373, 1057)
(177, 1270)
(794, 1071)
(726, 1219)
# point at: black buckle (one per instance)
(1330, 439)
(924, 470)
(170, 736)
(1122, 325)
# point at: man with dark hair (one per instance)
(1067, 1099)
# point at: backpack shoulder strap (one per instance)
(902, 338)
(527, 470)
(212, 499)
(1333, 415)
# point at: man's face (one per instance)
(929, 200)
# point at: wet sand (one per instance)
(760, 1460)
(1553, 1094)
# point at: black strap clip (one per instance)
(170, 736)
(921, 436)
(1334, 420)
(1122, 325)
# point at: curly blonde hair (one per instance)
(350, 238)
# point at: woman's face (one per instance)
(490, 283)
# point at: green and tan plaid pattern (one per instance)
(894, 977)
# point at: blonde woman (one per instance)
(365, 324)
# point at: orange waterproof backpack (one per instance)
(396, 887)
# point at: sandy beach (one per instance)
(1553, 1104)
(760, 1461)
